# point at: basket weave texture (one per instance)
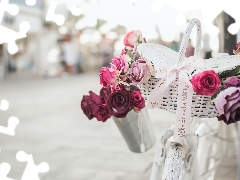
(155, 54)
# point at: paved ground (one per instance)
(53, 129)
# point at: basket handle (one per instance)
(186, 37)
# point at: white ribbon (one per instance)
(167, 75)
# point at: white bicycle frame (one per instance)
(199, 168)
(184, 149)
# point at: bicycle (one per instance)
(176, 155)
(183, 144)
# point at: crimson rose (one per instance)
(104, 93)
(89, 104)
(137, 100)
(119, 103)
(206, 83)
(102, 113)
(86, 107)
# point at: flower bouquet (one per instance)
(120, 98)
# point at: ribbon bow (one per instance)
(167, 75)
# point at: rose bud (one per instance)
(133, 38)
(137, 100)
(232, 82)
(237, 51)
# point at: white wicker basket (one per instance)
(158, 54)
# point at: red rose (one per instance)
(104, 93)
(119, 103)
(137, 100)
(89, 104)
(102, 113)
(86, 107)
(206, 83)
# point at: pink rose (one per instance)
(137, 100)
(108, 77)
(237, 51)
(227, 103)
(133, 38)
(206, 83)
(139, 72)
(120, 64)
(102, 113)
(232, 82)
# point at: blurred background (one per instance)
(50, 56)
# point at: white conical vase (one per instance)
(137, 130)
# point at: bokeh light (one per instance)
(12, 48)
(4, 105)
(30, 2)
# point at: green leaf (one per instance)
(130, 54)
(230, 73)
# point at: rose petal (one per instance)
(227, 115)
(95, 97)
(222, 118)
(138, 33)
(231, 102)
(220, 100)
(233, 96)
(233, 115)
(94, 108)
(133, 38)
(235, 107)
